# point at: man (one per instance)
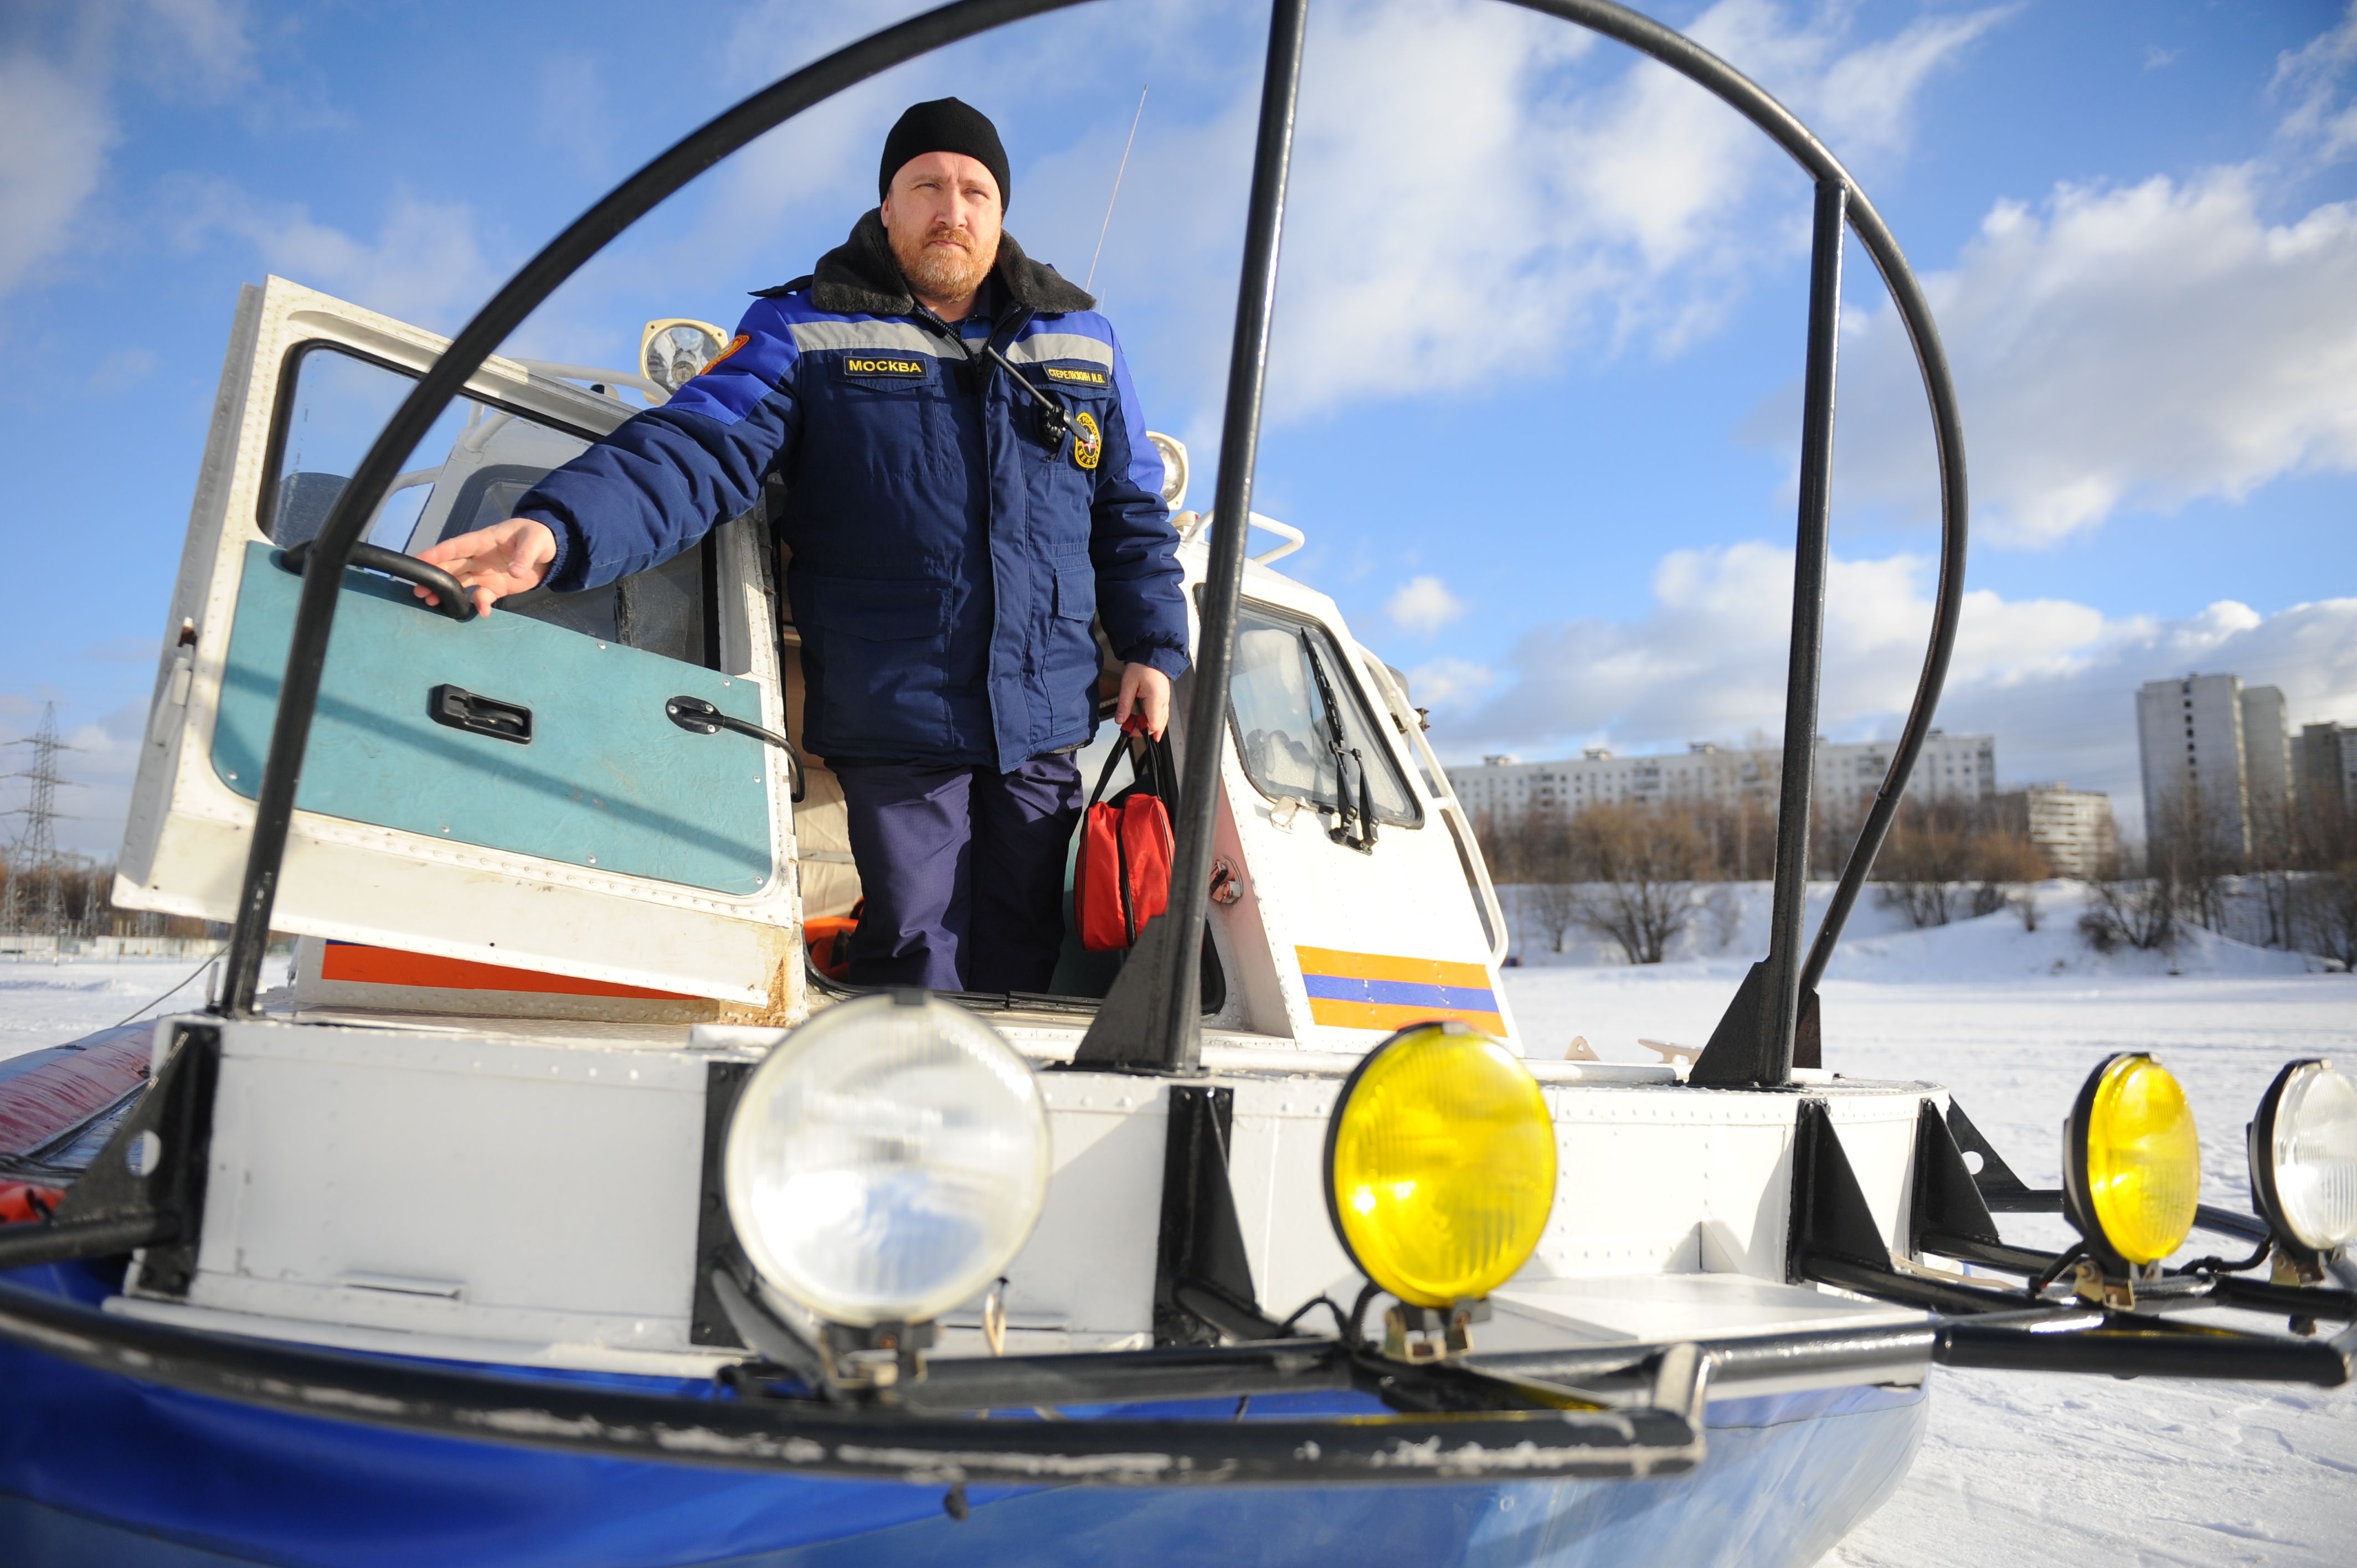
(968, 484)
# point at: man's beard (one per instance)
(944, 271)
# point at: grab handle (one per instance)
(699, 717)
(456, 602)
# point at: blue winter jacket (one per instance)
(947, 560)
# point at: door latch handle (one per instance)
(461, 709)
(699, 717)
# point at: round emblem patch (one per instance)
(1088, 441)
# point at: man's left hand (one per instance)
(1146, 691)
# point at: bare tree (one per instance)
(2274, 852)
(1529, 851)
(1725, 907)
(1927, 855)
(1637, 866)
(2325, 912)
(2193, 850)
(2324, 900)
(2004, 865)
(2140, 913)
(1556, 905)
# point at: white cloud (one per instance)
(205, 48)
(2311, 77)
(2052, 680)
(426, 265)
(1449, 681)
(1500, 184)
(53, 143)
(572, 110)
(57, 118)
(120, 371)
(1424, 604)
(2146, 346)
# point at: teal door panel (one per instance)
(606, 779)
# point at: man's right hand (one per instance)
(505, 558)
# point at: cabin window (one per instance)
(1284, 730)
(469, 471)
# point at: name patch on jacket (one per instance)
(883, 369)
(1077, 378)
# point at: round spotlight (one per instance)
(1440, 1165)
(1174, 468)
(887, 1161)
(2303, 1145)
(675, 350)
(2131, 1164)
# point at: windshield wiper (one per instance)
(1354, 809)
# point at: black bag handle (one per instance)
(1104, 776)
(1153, 771)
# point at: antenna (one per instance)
(34, 850)
(1133, 119)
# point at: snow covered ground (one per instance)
(48, 1003)
(2016, 1470)
(2022, 1469)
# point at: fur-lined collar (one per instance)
(860, 277)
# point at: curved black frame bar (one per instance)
(1177, 956)
(1697, 64)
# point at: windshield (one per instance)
(1283, 730)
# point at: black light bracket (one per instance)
(1999, 1187)
(1431, 1333)
(880, 1358)
(146, 1189)
(1203, 1290)
(2115, 1319)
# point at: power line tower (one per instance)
(34, 854)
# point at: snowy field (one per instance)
(2016, 1470)
(48, 1003)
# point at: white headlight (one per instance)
(887, 1160)
(2304, 1156)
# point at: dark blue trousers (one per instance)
(964, 872)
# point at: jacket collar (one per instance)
(860, 277)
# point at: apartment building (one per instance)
(1960, 767)
(2215, 750)
(2072, 828)
(2324, 778)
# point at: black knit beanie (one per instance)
(944, 126)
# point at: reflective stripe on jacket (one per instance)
(947, 561)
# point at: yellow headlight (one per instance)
(2132, 1164)
(1440, 1165)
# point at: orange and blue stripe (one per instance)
(1380, 991)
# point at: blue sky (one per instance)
(1534, 392)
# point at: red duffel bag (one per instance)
(1121, 878)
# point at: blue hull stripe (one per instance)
(95, 1469)
(1400, 993)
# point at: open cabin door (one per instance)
(549, 818)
